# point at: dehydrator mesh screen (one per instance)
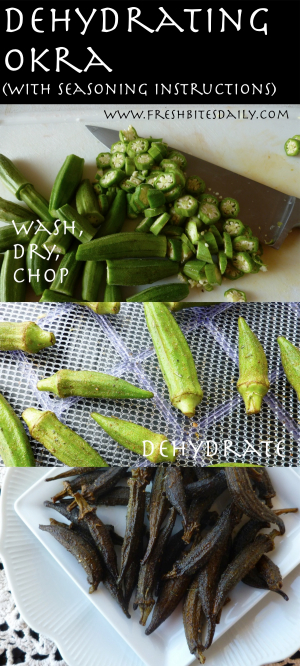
(121, 345)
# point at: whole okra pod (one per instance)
(23, 189)
(14, 444)
(26, 336)
(253, 383)
(174, 357)
(290, 359)
(132, 437)
(61, 441)
(10, 212)
(88, 384)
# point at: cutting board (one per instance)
(38, 138)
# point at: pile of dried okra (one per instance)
(200, 563)
(185, 231)
(180, 375)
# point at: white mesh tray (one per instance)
(121, 345)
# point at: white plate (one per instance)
(168, 645)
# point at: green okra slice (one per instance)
(290, 359)
(14, 444)
(253, 383)
(61, 441)
(89, 384)
(174, 357)
(26, 336)
(123, 245)
(137, 438)
(87, 203)
(60, 240)
(66, 183)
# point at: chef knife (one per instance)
(270, 214)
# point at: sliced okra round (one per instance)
(229, 207)
(233, 227)
(143, 161)
(112, 177)
(117, 161)
(103, 160)
(186, 206)
(243, 243)
(179, 158)
(168, 164)
(195, 185)
(208, 212)
(209, 198)
(118, 147)
(243, 262)
(128, 135)
(235, 296)
(137, 147)
(232, 272)
(165, 182)
(292, 147)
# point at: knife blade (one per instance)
(269, 213)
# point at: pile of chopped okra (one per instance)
(182, 229)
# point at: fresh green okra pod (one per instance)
(123, 244)
(14, 444)
(23, 189)
(130, 272)
(66, 183)
(174, 357)
(253, 383)
(68, 272)
(89, 384)
(92, 277)
(108, 307)
(136, 438)
(112, 293)
(61, 441)
(26, 336)
(11, 289)
(36, 261)
(10, 212)
(161, 293)
(116, 215)
(290, 359)
(10, 235)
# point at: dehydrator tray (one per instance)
(121, 345)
